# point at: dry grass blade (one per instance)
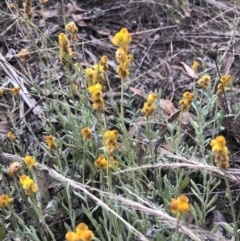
(18, 81)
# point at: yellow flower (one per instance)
(50, 140)
(179, 205)
(98, 76)
(71, 236)
(186, 101)
(82, 234)
(204, 81)
(220, 151)
(23, 55)
(103, 62)
(122, 38)
(219, 145)
(151, 98)
(103, 164)
(149, 107)
(98, 105)
(93, 88)
(1, 91)
(89, 73)
(5, 200)
(28, 185)
(73, 29)
(86, 133)
(122, 72)
(14, 168)
(65, 50)
(195, 65)
(224, 81)
(11, 136)
(15, 90)
(30, 161)
(111, 134)
(121, 56)
(110, 140)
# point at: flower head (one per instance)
(110, 140)
(186, 101)
(149, 106)
(5, 200)
(23, 55)
(50, 140)
(195, 65)
(14, 168)
(179, 205)
(103, 164)
(30, 161)
(104, 62)
(222, 86)
(65, 50)
(83, 233)
(204, 81)
(220, 151)
(28, 185)
(96, 94)
(93, 88)
(72, 29)
(122, 38)
(86, 133)
(11, 136)
(15, 90)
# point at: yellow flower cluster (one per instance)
(28, 185)
(220, 151)
(103, 164)
(195, 65)
(82, 234)
(222, 86)
(15, 90)
(11, 136)
(14, 168)
(186, 101)
(86, 133)
(149, 106)
(23, 55)
(110, 140)
(30, 161)
(5, 200)
(96, 95)
(65, 50)
(104, 62)
(1, 91)
(50, 140)
(122, 39)
(204, 81)
(95, 75)
(179, 205)
(72, 29)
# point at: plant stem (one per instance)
(229, 195)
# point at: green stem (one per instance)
(122, 106)
(229, 195)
